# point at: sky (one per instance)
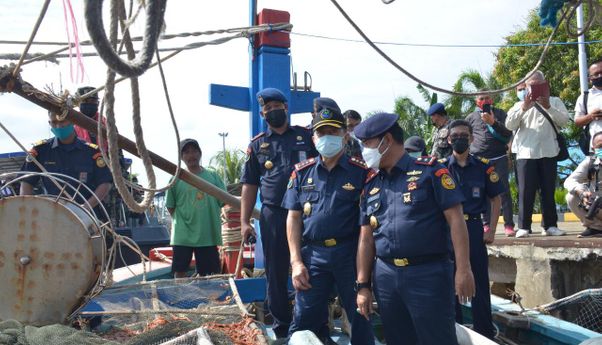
(351, 73)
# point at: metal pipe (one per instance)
(582, 54)
(124, 143)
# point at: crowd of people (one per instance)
(355, 207)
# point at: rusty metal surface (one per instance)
(48, 260)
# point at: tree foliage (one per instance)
(413, 118)
(469, 81)
(228, 163)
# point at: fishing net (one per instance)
(163, 312)
(583, 308)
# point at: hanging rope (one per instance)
(440, 89)
(78, 53)
(155, 10)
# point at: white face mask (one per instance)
(372, 157)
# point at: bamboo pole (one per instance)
(47, 101)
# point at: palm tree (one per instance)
(228, 164)
(413, 118)
(469, 81)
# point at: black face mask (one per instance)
(597, 82)
(88, 109)
(459, 145)
(276, 118)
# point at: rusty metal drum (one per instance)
(51, 255)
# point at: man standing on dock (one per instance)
(322, 228)
(405, 212)
(480, 183)
(196, 217)
(271, 157)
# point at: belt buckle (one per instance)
(331, 242)
(401, 262)
(466, 217)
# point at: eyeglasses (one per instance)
(459, 136)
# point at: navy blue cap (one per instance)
(415, 144)
(325, 103)
(328, 117)
(437, 108)
(270, 94)
(375, 125)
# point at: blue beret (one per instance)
(270, 94)
(375, 125)
(437, 108)
(325, 103)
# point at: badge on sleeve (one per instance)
(494, 177)
(100, 162)
(447, 182)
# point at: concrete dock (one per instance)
(541, 268)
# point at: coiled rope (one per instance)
(155, 10)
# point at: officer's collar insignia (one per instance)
(299, 138)
(348, 186)
(483, 160)
(310, 180)
(447, 182)
(413, 178)
(264, 145)
(305, 164)
(426, 160)
(359, 162)
(414, 172)
(407, 198)
(374, 191)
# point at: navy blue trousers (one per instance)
(275, 250)
(330, 267)
(416, 303)
(481, 303)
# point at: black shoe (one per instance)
(589, 232)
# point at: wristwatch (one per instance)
(358, 286)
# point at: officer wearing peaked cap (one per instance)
(323, 202)
(271, 157)
(405, 213)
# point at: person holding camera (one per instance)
(490, 141)
(584, 195)
(536, 148)
(588, 108)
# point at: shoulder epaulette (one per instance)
(304, 128)
(358, 162)
(426, 160)
(483, 160)
(94, 146)
(258, 136)
(442, 160)
(41, 142)
(302, 165)
(372, 174)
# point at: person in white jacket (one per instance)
(536, 148)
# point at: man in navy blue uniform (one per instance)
(479, 182)
(322, 227)
(68, 155)
(406, 208)
(271, 157)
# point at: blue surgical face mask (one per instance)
(598, 152)
(329, 145)
(415, 154)
(62, 133)
(521, 94)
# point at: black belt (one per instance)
(472, 216)
(415, 260)
(329, 242)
